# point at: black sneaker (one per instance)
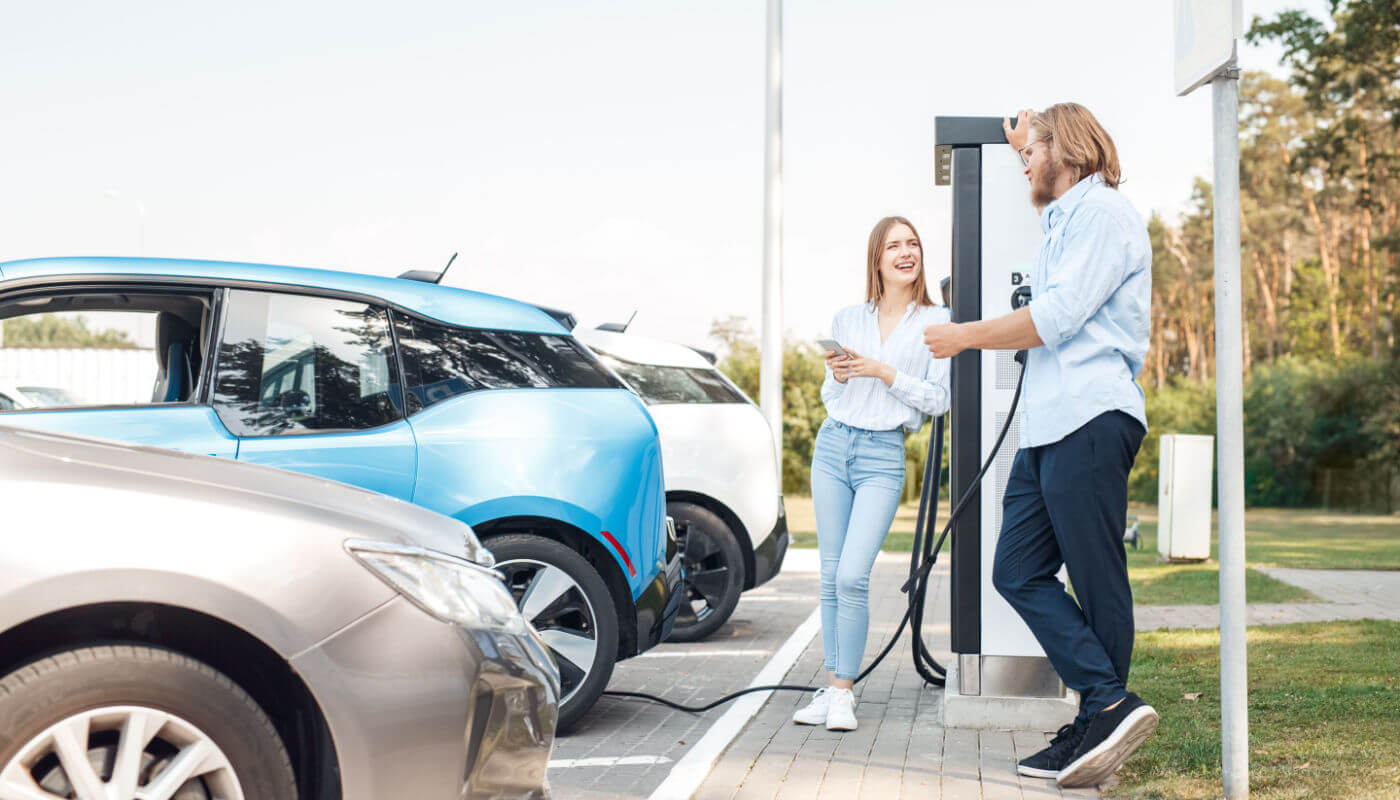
(1112, 736)
(1048, 762)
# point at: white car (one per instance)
(721, 472)
(14, 397)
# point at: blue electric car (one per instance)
(478, 407)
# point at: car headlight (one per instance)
(448, 588)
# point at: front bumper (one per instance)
(659, 602)
(768, 556)
(419, 708)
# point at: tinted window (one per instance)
(442, 361)
(289, 364)
(658, 384)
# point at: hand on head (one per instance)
(1017, 136)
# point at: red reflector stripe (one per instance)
(621, 552)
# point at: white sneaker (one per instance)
(815, 712)
(841, 715)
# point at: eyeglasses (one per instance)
(1025, 158)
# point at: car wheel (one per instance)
(714, 571)
(564, 597)
(131, 721)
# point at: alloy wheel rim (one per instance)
(706, 574)
(120, 753)
(556, 605)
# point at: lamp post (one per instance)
(770, 372)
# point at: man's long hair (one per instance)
(874, 283)
(1078, 142)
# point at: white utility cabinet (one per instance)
(1184, 487)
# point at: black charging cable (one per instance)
(923, 556)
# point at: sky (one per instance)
(596, 156)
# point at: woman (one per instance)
(858, 460)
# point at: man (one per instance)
(1083, 418)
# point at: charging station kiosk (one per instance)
(1000, 677)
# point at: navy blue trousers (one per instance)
(1067, 503)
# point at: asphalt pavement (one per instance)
(627, 748)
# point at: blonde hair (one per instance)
(1080, 141)
(874, 284)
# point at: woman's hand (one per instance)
(1017, 136)
(858, 366)
(833, 359)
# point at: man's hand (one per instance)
(858, 366)
(945, 341)
(1017, 136)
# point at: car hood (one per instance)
(97, 462)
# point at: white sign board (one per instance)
(1206, 31)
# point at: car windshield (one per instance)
(657, 384)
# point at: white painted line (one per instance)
(612, 761)
(805, 598)
(674, 653)
(688, 773)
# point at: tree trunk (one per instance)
(1372, 290)
(1330, 242)
(1329, 267)
(1194, 334)
(1266, 297)
(1158, 367)
(1286, 287)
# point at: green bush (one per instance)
(1182, 407)
(1322, 433)
(1316, 433)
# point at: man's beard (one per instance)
(1043, 190)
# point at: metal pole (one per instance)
(1229, 411)
(770, 373)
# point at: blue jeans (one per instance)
(857, 479)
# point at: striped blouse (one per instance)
(921, 381)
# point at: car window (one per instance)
(443, 361)
(292, 364)
(657, 384)
(150, 352)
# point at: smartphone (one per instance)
(830, 344)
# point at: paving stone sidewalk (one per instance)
(901, 749)
(1346, 594)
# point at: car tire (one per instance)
(565, 598)
(714, 571)
(94, 697)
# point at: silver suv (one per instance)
(182, 626)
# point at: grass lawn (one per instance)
(1324, 704)
(1156, 583)
(1274, 538)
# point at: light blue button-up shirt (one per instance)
(921, 381)
(1092, 290)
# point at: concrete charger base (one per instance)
(1005, 713)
